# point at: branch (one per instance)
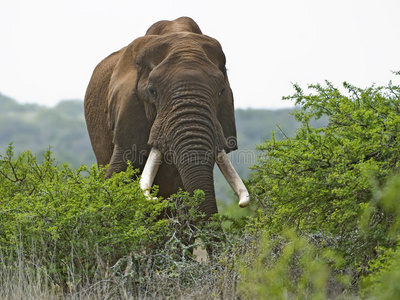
(280, 129)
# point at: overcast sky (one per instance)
(49, 48)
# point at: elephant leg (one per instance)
(118, 162)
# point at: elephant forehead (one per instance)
(186, 37)
(181, 47)
(183, 42)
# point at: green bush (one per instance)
(288, 266)
(383, 281)
(383, 274)
(72, 219)
(73, 231)
(321, 181)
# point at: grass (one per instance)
(22, 279)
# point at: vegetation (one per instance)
(324, 221)
(71, 231)
(327, 182)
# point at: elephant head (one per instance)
(167, 91)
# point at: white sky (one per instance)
(49, 48)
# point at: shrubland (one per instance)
(324, 221)
(334, 184)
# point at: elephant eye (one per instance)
(221, 92)
(152, 91)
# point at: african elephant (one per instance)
(164, 103)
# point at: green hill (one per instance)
(36, 128)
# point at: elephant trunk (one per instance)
(196, 171)
(191, 133)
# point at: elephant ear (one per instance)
(226, 111)
(226, 117)
(126, 112)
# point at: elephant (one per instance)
(164, 103)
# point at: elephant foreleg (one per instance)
(118, 162)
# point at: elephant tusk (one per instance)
(150, 170)
(233, 178)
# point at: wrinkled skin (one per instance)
(168, 90)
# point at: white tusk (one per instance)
(233, 178)
(150, 170)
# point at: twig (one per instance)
(280, 129)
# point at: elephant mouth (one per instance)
(223, 162)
